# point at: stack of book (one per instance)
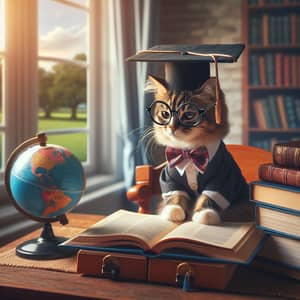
(277, 201)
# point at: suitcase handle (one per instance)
(110, 267)
(185, 276)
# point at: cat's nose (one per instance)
(173, 125)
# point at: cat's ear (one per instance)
(156, 85)
(208, 87)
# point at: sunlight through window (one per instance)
(62, 84)
(1, 25)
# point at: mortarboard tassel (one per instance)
(218, 112)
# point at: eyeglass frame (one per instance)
(201, 112)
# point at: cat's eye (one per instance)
(160, 112)
(165, 114)
(189, 115)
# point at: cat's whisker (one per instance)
(136, 130)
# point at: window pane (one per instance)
(62, 102)
(75, 142)
(1, 90)
(1, 150)
(1, 25)
(62, 30)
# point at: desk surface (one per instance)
(29, 283)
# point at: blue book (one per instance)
(276, 220)
(270, 68)
(284, 197)
(289, 106)
(274, 112)
(282, 251)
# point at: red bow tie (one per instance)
(198, 156)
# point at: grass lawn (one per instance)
(76, 142)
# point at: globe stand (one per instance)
(44, 247)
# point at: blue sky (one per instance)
(62, 29)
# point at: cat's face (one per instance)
(174, 134)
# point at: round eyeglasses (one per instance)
(188, 114)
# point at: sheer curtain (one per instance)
(133, 26)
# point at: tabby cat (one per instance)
(200, 188)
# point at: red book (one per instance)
(286, 70)
(287, 154)
(282, 112)
(294, 71)
(274, 173)
(265, 30)
(259, 114)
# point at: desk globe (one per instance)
(44, 182)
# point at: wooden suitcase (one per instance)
(198, 274)
(117, 266)
(130, 267)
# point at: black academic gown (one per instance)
(222, 175)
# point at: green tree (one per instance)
(69, 85)
(45, 83)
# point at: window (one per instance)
(2, 60)
(63, 72)
(50, 60)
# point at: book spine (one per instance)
(259, 114)
(282, 113)
(290, 111)
(279, 69)
(270, 172)
(286, 156)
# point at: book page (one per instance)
(146, 227)
(225, 235)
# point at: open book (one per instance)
(230, 241)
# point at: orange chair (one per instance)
(147, 177)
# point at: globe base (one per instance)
(45, 247)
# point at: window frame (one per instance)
(20, 86)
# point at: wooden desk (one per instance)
(29, 283)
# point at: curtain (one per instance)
(133, 26)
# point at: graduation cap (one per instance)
(188, 66)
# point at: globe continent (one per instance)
(46, 181)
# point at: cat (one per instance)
(189, 193)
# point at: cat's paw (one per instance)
(173, 212)
(207, 216)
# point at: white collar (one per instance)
(211, 149)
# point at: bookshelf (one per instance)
(271, 72)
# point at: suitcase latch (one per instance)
(110, 267)
(185, 276)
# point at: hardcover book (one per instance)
(275, 173)
(280, 255)
(287, 154)
(275, 220)
(150, 234)
(282, 250)
(280, 195)
(275, 268)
